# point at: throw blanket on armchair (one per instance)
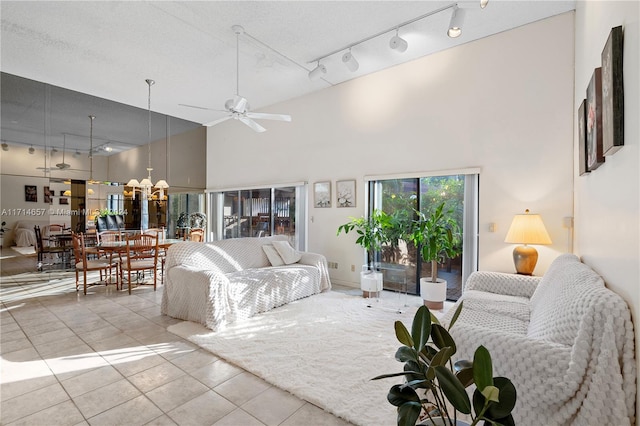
(565, 341)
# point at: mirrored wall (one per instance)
(60, 166)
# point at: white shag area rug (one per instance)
(324, 349)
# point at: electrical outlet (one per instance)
(332, 265)
(353, 268)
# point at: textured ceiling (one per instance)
(107, 49)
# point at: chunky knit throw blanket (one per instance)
(564, 340)
(218, 283)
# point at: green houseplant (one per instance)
(373, 232)
(437, 234)
(435, 387)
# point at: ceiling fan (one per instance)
(238, 107)
(59, 166)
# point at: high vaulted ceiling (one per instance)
(108, 48)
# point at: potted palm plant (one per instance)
(434, 391)
(373, 232)
(437, 235)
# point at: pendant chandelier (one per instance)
(146, 185)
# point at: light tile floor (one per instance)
(107, 359)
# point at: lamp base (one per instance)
(525, 259)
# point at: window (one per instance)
(260, 212)
(407, 195)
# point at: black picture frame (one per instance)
(595, 156)
(31, 193)
(47, 195)
(582, 138)
(612, 93)
(63, 200)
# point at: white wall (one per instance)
(504, 104)
(607, 212)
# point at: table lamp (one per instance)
(526, 229)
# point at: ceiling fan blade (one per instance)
(63, 166)
(266, 116)
(199, 107)
(218, 121)
(255, 126)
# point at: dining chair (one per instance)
(162, 254)
(48, 250)
(196, 234)
(110, 237)
(85, 265)
(141, 255)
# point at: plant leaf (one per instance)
(386, 376)
(453, 390)
(406, 353)
(507, 400)
(482, 368)
(491, 393)
(421, 328)
(441, 338)
(408, 413)
(399, 394)
(456, 315)
(441, 358)
(402, 334)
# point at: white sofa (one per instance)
(565, 341)
(220, 282)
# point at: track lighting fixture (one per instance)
(398, 43)
(5, 146)
(350, 61)
(31, 150)
(317, 72)
(76, 154)
(53, 151)
(455, 25)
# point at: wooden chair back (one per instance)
(196, 234)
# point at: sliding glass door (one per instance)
(402, 198)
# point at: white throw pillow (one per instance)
(272, 254)
(288, 254)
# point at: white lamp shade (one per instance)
(317, 72)
(527, 229)
(162, 184)
(146, 183)
(133, 183)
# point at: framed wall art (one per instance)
(612, 94)
(322, 194)
(47, 195)
(582, 138)
(595, 156)
(346, 193)
(63, 200)
(31, 193)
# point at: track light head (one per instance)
(398, 43)
(76, 154)
(483, 3)
(53, 151)
(317, 72)
(455, 25)
(350, 61)
(31, 150)
(5, 146)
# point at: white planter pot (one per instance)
(433, 294)
(370, 283)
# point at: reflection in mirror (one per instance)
(53, 121)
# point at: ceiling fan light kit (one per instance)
(238, 107)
